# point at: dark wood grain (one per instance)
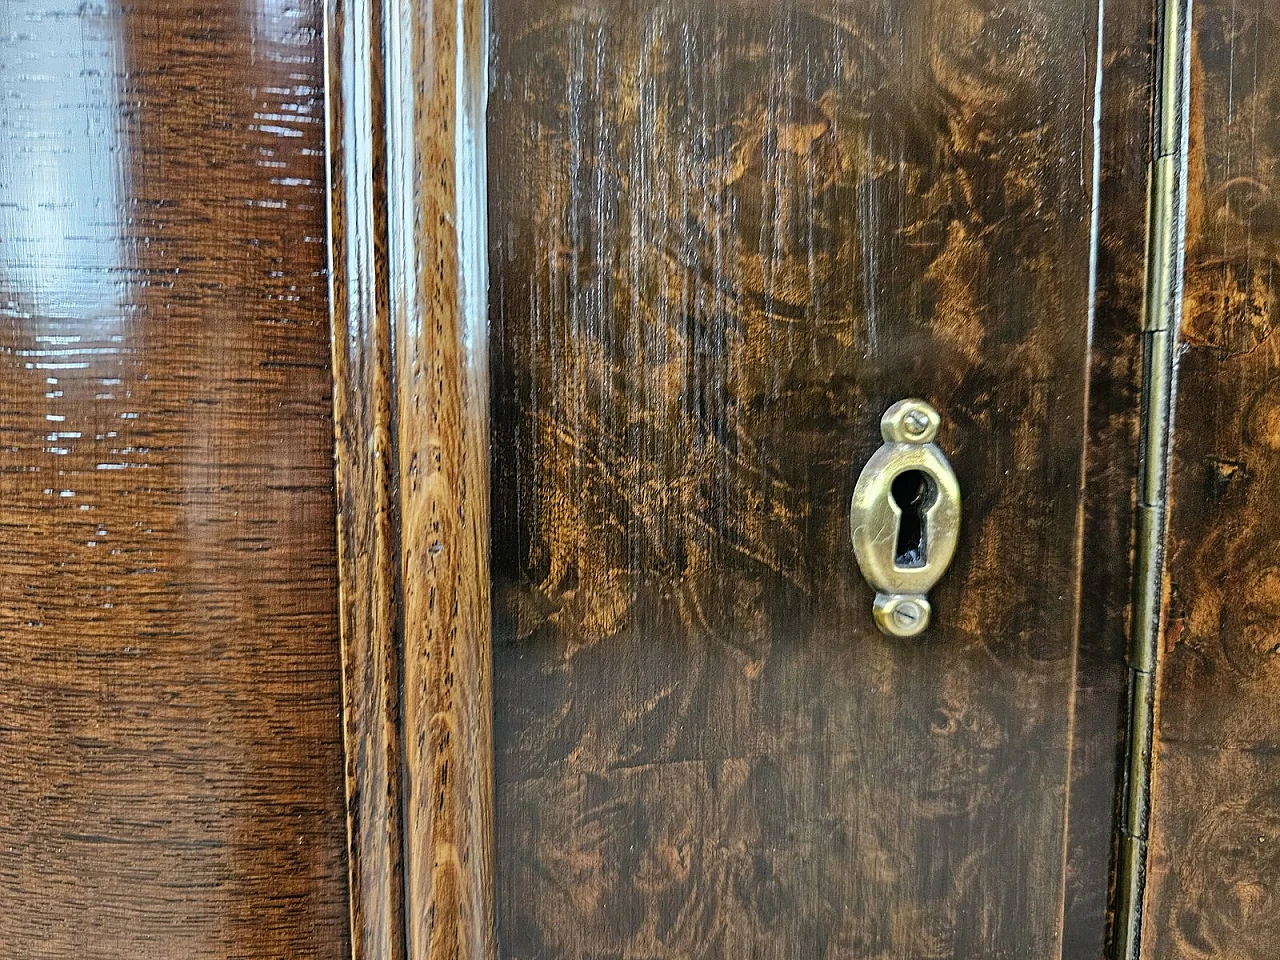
(724, 237)
(1215, 847)
(406, 120)
(169, 707)
(1111, 471)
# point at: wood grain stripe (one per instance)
(368, 555)
(406, 83)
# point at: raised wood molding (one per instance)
(406, 89)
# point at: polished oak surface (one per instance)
(1215, 821)
(724, 237)
(171, 765)
(406, 120)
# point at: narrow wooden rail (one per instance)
(406, 87)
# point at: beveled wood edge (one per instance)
(406, 83)
(367, 548)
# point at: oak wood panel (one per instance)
(724, 237)
(171, 763)
(436, 244)
(409, 273)
(1215, 821)
(365, 469)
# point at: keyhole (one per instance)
(912, 491)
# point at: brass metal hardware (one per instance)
(1166, 250)
(903, 548)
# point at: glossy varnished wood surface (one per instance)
(436, 245)
(364, 462)
(723, 238)
(169, 707)
(407, 84)
(1215, 822)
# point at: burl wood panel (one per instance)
(407, 84)
(1215, 848)
(171, 767)
(724, 237)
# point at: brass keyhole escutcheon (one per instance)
(904, 519)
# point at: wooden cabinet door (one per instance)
(724, 238)
(621, 291)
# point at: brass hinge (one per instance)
(1166, 234)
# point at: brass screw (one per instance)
(915, 423)
(907, 614)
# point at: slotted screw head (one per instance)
(907, 614)
(909, 421)
(915, 423)
(901, 616)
